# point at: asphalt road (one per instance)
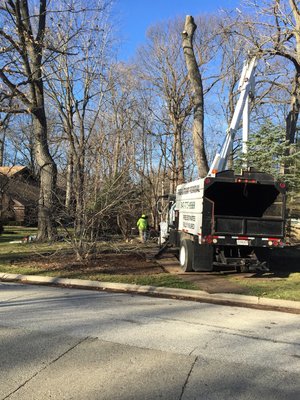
(58, 343)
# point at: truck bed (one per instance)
(252, 204)
(247, 226)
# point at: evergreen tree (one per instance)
(267, 152)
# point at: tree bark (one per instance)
(2, 147)
(47, 167)
(47, 173)
(3, 127)
(292, 119)
(179, 155)
(197, 96)
(26, 45)
(79, 194)
(70, 180)
(293, 115)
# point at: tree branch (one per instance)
(14, 88)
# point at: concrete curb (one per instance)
(193, 295)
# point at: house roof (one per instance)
(23, 192)
(12, 170)
(21, 189)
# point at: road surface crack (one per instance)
(46, 366)
(187, 378)
(231, 331)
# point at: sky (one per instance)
(136, 16)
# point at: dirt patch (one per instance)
(143, 263)
(283, 262)
(106, 263)
(211, 282)
(215, 282)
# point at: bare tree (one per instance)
(76, 84)
(273, 31)
(23, 47)
(4, 124)
(20, 138)
(163, 71)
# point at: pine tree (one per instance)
(267, 152)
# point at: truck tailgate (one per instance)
(248, 226)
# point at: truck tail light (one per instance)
(239, 180)
(274, 242)
(209, 239)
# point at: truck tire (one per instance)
(186, 251)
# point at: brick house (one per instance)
(19, 193)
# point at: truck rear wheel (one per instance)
(186, 255)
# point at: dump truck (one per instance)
(227, 219)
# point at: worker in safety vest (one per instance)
(142, 225)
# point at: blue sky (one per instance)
(137, 15)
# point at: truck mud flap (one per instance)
(203, 257)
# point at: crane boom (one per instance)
(246, 89)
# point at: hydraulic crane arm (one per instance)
(246, 89)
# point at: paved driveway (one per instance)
(60, 343)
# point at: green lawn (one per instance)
(285, 288)
(16, 258)
(33, 259)
(15, 233)
(159, 280)
(12, 246)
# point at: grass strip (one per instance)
(287, 288)
(16, 258)
(158, 280)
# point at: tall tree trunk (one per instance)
(79, 194)
(179, 156)
(47, 172)
(2, 147)
(3, 127)
(33, 48)
(197, 98)
(116, 155)
(70, 179)
(292, 119)
(173, 169)
(293, 115)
